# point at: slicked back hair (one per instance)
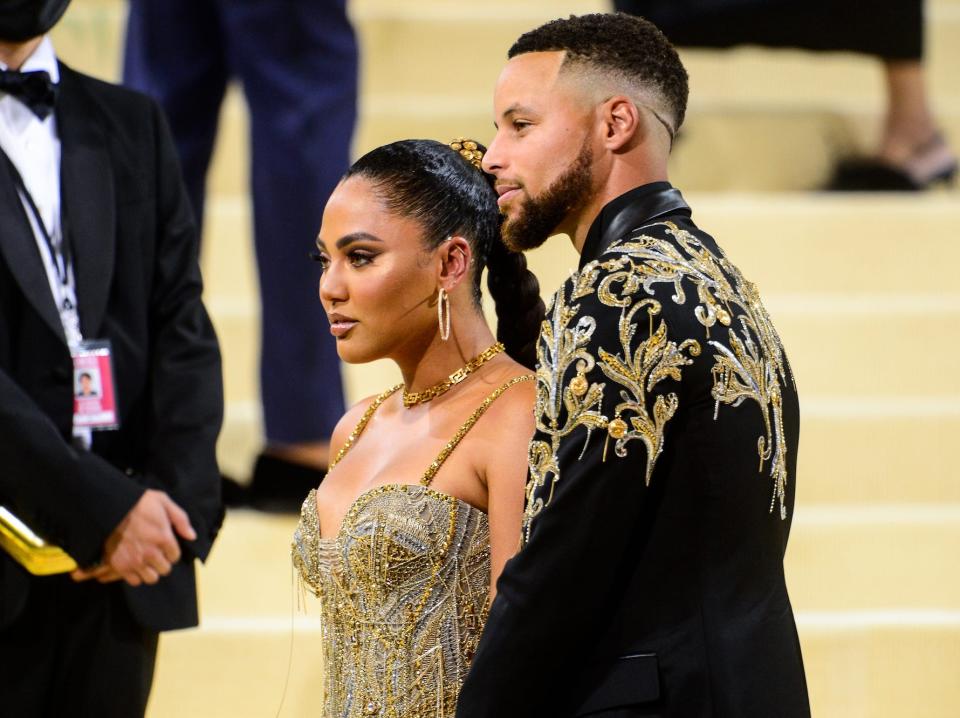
(616, 44)
(430, 183)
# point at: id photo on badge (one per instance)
(94, 391)
(87, 382)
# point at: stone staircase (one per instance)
(863, 289)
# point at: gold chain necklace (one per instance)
(421, 397)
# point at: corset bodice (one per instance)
(403, 587)
(403, 590)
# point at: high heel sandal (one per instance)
(866, 174)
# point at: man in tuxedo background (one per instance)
(97, 242)
(651, 579)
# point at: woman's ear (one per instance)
(456, 259)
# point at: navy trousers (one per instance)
(297, 62)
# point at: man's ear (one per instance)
(456, 259)
(621, 122)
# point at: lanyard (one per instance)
(60, 257)
(59, 251)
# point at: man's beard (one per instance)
(539, 217)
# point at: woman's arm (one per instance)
(505, 439)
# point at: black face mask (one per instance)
(25, 19)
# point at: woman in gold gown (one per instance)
(404, 539)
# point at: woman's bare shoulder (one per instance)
(503, 435)
(513, 409)
(348, 422)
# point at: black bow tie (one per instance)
(34, 89)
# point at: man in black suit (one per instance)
(662, 470)
(98, 259)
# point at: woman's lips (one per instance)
(340, 327)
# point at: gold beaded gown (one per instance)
(403, 588)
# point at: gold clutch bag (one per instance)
(29, 550)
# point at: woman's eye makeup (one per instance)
(361, 257)
(355, 257)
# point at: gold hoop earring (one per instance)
(443, 314)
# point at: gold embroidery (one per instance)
(404, 595)
(617, 428)
(636, 372)
(656, 359)
(561, 346)
(404, 588)
(752, 367)
(749, 366)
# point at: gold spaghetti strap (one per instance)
(432, 470)
(362, 424)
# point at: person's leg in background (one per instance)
(912, 153)
(175, 53)
(298, 64)
(911, 140)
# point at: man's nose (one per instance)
(492, 161)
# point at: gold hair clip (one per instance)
(469, 150)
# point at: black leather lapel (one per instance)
(87, 193)
(18, 245)
(641, 206)
(664, 203)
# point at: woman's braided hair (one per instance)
(443, 188)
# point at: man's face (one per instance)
(541, 154)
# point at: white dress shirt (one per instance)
(33, 145)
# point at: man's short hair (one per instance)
(619, 44)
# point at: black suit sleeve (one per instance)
(72, 497)
(186, 382)
(554, 595)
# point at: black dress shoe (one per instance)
(280, 486)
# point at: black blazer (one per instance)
(138, 283)
(661, 490)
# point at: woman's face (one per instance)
(379, 280)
